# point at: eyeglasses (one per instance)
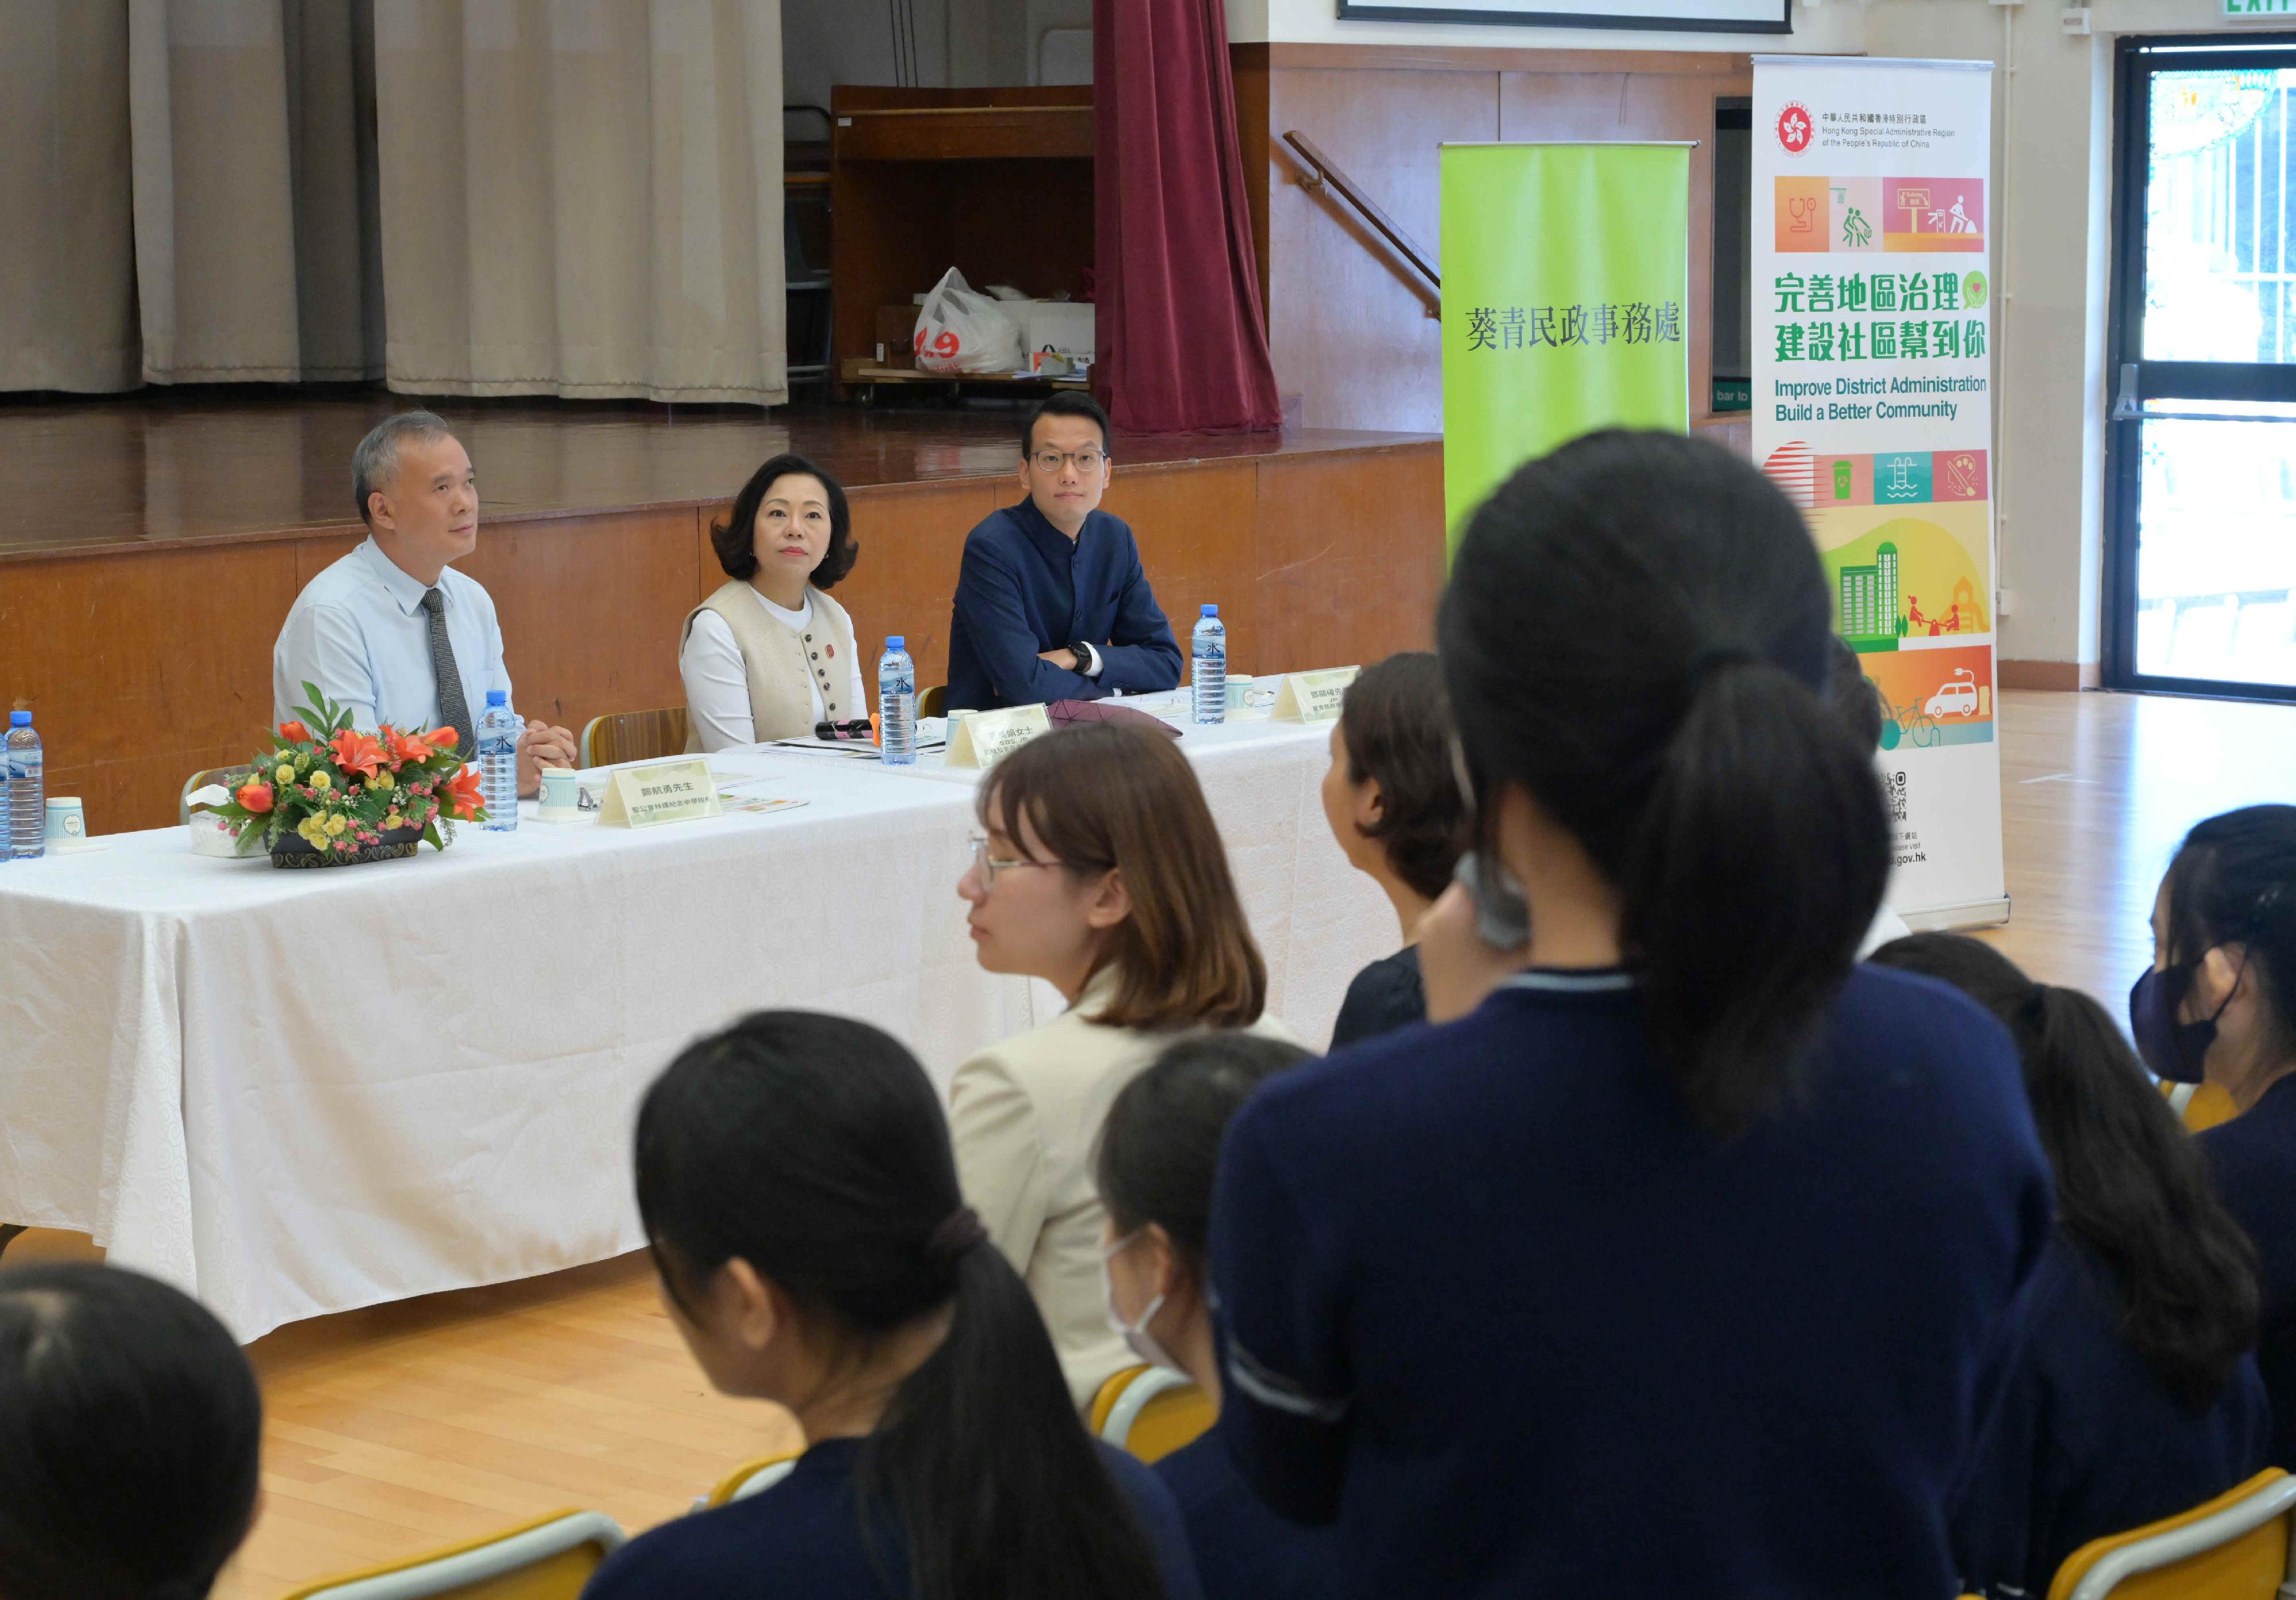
(1052, 461)
(989, 866)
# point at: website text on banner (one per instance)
(1874, 410)
(1566, 281)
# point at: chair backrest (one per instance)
(752, 1478)
(633, 736)
(2200, 1106)
(2233, 1547)
(230, 778)
(549, 1559)
(1151, 1411)
(934, 701)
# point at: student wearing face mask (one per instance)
(1099, 870)
(2218, 1007)
(1154, 1172)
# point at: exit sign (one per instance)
(2259, 10)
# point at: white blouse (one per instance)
(717, 681)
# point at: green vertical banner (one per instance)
(1566, 284)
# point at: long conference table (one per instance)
(296, 1092)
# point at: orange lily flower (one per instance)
(356, 752)
(441, 738)
(407, 748)
(460, 794)
(294, 733)
(255, 797)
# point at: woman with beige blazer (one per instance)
(769, 654)
(1098, 869)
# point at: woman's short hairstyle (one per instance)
(1160, 1148)
(735, 539)
(130, 1429)
(1395, 728)
(1103, 796)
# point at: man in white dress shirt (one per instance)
(391, 632)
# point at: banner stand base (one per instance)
(1945, 919)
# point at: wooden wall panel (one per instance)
(1348, 330)
(912, 540)
(1350, 551)
(1196, 531)
(139, 670)
(590, 609)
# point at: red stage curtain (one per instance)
(1182, 338)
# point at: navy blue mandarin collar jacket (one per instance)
(1025, 588)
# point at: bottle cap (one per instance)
(897, 641)
(20, 720)
(498, 697)
(1211, 610)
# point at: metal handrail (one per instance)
(1322, 172)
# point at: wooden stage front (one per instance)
(151, 545)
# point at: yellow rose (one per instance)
(285, 774)
(320, 780)
(336, 824)
(394, 821)
(380, 781)
(312, 829)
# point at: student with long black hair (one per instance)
(2218, 1006)
(1153, 1168)
(2132, 1394)
(1673, 1267)
(130, 1429)
(798, 1191)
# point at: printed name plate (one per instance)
(984, 738)
(646, 797)
(1314, 697)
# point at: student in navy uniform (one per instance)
(2132, 1394)
(1052, 602)
(798, 1191)
(1393, 801)
(1671, 1268)
(1154, 1171)
(2220, 1006)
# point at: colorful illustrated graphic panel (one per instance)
(1815, 481)
(1860, 216)
(1934, 697)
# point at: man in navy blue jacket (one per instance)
(1051, 602)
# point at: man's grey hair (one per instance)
(375, 461)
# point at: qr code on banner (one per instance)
(1895, 784)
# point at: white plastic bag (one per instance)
(960, 330)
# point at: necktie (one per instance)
(454, 709)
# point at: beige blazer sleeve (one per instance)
(1000, 1155)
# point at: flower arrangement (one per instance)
(342, 792)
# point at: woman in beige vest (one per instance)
(1098, 869)
(770, 653)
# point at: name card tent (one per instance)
(981, 739)
(1314, 697)
(663, 791)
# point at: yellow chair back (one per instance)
(934, 701)
(1151, 1411)
(750, 1477)
(550, 1558)
(633, 736)
(2233, 1547)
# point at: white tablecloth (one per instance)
(295, 1092)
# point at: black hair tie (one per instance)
(959, 1233)
(1715, 659)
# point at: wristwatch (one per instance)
(1087, 659)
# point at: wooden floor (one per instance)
(408, 1426)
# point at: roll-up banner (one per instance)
(1874, 410)
(1566, 289)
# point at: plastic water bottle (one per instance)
(497, 731)
(1207, 676)
(27, 808)
(896, 704)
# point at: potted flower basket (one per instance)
(342, 797)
